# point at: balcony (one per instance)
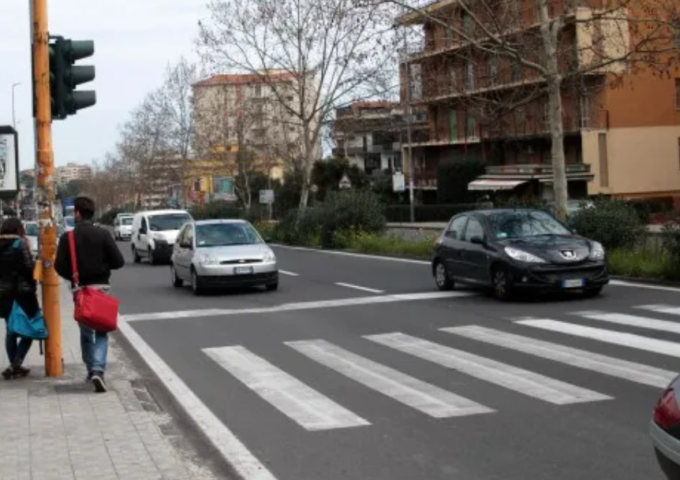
(533, 126)
(386, 147)
(534, 170)
(342, 151)
(423, 179)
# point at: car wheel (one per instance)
(176, 281)
(196, 283)
(502, 285)
(152, 261)
(135, 255)
(592, 292)
(442, 278)
(272, 286)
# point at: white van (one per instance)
(154, 234)
(122, 227)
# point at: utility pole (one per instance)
(46, 187)
(409, 132)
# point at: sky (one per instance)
(134, 42)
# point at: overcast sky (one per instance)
(134, 41)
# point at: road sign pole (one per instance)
(46, 187)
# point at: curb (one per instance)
(647, 281)
(235, 456)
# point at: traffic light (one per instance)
(65, 76)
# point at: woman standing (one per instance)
(16, 285)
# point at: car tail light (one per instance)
(666, 412)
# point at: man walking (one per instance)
(97, 254)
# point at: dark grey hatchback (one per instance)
(517, 249)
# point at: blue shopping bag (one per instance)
(20, 324)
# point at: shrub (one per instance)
(643, 262)
(299, 229)
(671, 238)
(364, 242)
(649, 208)
(614, 223)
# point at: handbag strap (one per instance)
(74, 260)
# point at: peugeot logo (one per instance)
(568, 254)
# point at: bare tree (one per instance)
(328, 50)
(506, 58)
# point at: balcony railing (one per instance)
(527, 125)
(535, 169)
(342, 151)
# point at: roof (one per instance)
(245, 79)
(219, 221)
(162, 212)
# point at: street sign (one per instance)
(345, 182)
(315, 188)
(9, 163)
(267, 196)
(223, 188)
(398, 183)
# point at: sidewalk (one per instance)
(58, 429)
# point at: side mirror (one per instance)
(478, 241)
(267, 240)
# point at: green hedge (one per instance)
(426, 213)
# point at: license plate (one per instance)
(575, 283)
(243, 270)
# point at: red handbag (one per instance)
(93, 308)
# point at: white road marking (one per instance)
(517, 379)
(290, 274)
(649, 286)
(223, 440)
(410, 391)
(667, 309)
(357, 255)
(287, 307)
(617, 338)
(358, 287)
(635, 372)
(632, 321)
(301, 403)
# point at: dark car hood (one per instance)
(560, 249)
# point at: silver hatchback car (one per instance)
(222, 253)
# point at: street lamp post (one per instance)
(14, 116)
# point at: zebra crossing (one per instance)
(313, 410)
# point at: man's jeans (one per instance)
(94, 345)
(17, 348)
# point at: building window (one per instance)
(467, 25)
(258, 90)
(585, 112)
(471, 127)
(469, 76)
(448, 38)
(453, 124)
(604, 160)
(493, 70)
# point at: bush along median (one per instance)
(354, 221)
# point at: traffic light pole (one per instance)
(46, 187)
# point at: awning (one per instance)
(495, 184)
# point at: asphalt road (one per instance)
(345, 371)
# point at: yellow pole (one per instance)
(46, 188)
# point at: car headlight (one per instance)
(596, 251)
(269, 257)
(522, 256)
(207, 260)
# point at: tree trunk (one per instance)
(557, 149)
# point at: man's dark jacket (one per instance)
(96, 252)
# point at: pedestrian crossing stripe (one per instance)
(615, 367)
(608, 336)
(429, 399)
(301, 403)
(632, 321)
(667, 309)
(513, 378)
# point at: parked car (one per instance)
(154, 234)
(665, 431)
(69, 223)
(122, 227)
(222, 253)
(32, 231)
(511, 250)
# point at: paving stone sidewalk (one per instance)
(58, 429)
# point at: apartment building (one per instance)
(370, 133)
(251, 111)
(73, 171)
(621, 138)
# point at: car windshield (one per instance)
(70, 221)
(167, 222)
(31, 229)
(525, 223)
(226, 234)
(126, 221)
